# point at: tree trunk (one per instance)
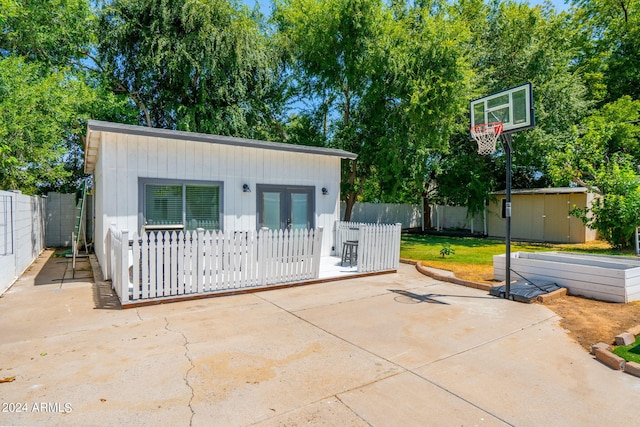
(352, 195)
(349, 203)
(426, 209)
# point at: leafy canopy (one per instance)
(193, 65)
(604, 157)
(37, 115)
(512, 43)
(387, 79)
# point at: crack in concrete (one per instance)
(353, 411)
(484, 343)
(192, 366)
(140, 317)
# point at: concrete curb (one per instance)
(96, 269)
(446, 276)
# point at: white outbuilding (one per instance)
(156, 179)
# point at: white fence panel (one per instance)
(409, 215)
(22, 234)
(456, 217)
(378, 244)
(120, 263)
(346, 231)
(379, 247)
(166, 264)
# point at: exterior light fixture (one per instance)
(245, 188)
(325, 192)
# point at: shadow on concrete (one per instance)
(58, 270)
(104, 298)
(406, 297)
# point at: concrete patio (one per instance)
(391, 350)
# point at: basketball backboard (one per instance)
(513, 107)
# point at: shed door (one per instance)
(556, 224)
(285, 207)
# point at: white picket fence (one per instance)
(174, 264)
(378, 244)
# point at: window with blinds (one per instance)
(163, 204)
(185, 205)
(202, 207)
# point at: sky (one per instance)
(265, 5)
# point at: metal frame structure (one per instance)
(512, 107)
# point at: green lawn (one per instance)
(629, 352)
(473, 257)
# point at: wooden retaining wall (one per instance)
(606, 278)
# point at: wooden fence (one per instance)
(174, 264)
(378, 244)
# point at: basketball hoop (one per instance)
(486, 135)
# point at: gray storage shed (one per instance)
(542, 215)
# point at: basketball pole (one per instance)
(507, 144)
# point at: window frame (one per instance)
(142, 185)
(285, 204)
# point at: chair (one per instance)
(350, 252)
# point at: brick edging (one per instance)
(603, 353)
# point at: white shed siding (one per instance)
(124, 158)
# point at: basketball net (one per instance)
(486, 135)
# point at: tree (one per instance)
(388, 79)
(51, 32)
(604, 158)
(615, 213)
(610, 32)
(523, 43)
(514, 43)
(47, 93)
(37, 115)
(332, 47)
(188, 64)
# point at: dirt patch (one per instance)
(589, 321)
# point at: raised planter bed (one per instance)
(606, 278)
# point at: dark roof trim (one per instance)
(558, 190)
(100, 126)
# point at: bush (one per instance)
(446, 250)
(614, 216)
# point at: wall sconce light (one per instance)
(325, 192)
(245, 188)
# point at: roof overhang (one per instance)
(556, 190)
(95, 129)
(91, 146)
